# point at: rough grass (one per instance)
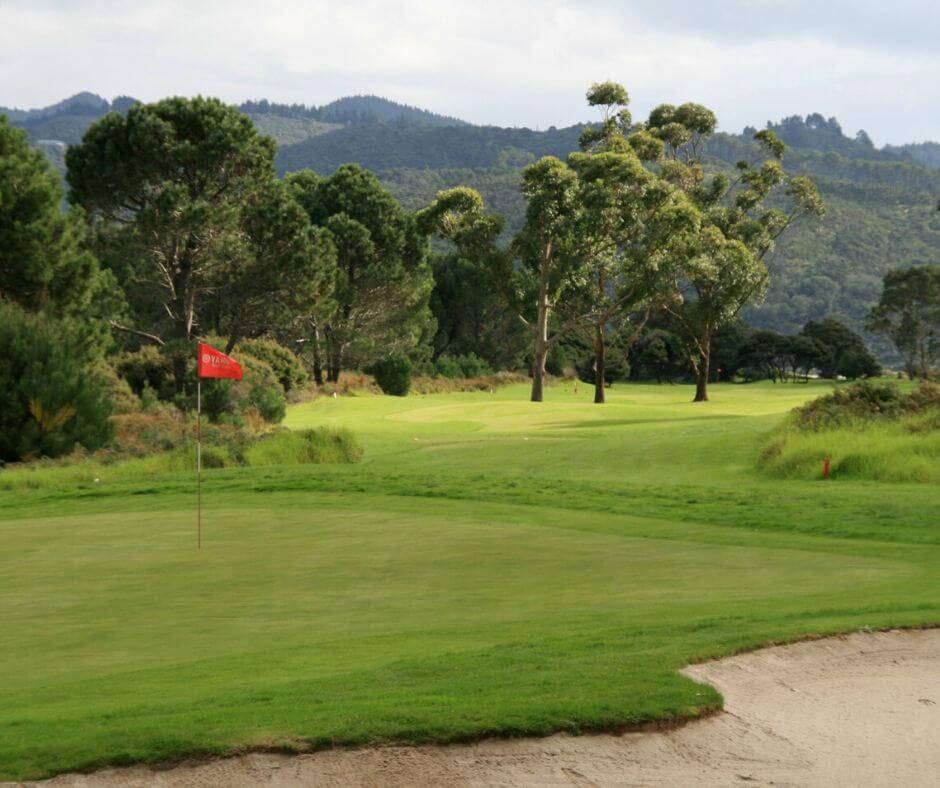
(491, 566)
(869, 431)
(321, 445)
(893, 451)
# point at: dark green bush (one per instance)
(863, 401)
(393, 374)
(290, 372)
(217, 399)
(616, 367)
(447, 367)
(468, 365)
(557, 360)
(51, 400)
(859, 363)
(230, 400)
(146, 368)
(117, 389)
(264, 390)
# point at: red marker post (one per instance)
(211, 363)
(826, 468)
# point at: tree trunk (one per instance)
(599, 362)
(317, 360)
(541, 346)
(181, 354)
(179, 370)
(702, 366)
(701, 382)
(230, 345)
(334, 356)
(335, 363)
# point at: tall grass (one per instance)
(898, 450)
(321, 445)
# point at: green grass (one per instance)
(491, 566)
(282, 447)
(901, 450)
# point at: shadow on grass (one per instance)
(610, 423)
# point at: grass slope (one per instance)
(906, 449)
(490, 567)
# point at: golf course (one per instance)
(490, 566)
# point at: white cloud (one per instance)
(516, 62)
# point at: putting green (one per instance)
(492, 566)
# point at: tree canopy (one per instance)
(183, 200)
(909, 313)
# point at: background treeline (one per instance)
(634, 256)
(880, 200)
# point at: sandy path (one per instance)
(857, 710)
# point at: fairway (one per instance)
(491, 566)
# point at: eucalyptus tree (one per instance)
(725, 270)
(548, 262)
(909, 313)
(630, 226)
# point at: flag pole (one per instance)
(198, 462)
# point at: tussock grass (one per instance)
(323, 445)
(869, 431)
(284, 447)
(888, 451)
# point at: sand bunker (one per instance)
(862, 709)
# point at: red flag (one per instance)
(215, 364)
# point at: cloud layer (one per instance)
(514, 62)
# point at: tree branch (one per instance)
(142, 334)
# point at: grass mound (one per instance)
(322, 445)
(285, 447)
(870, 431)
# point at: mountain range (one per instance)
(882, 202)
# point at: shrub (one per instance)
(862, 401)
(393, 374)
(290, 372)
(469, 365)
(217, 398)
(146, 368)
(616, 367)
(117, 389)
(259, 390)
(264, 390)
(149, 432)
(859, 363)
(50, 398)
(447, 367)
(557, 360)
(440, 385)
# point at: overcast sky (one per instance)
(874, 65)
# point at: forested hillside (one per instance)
(882, 203)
